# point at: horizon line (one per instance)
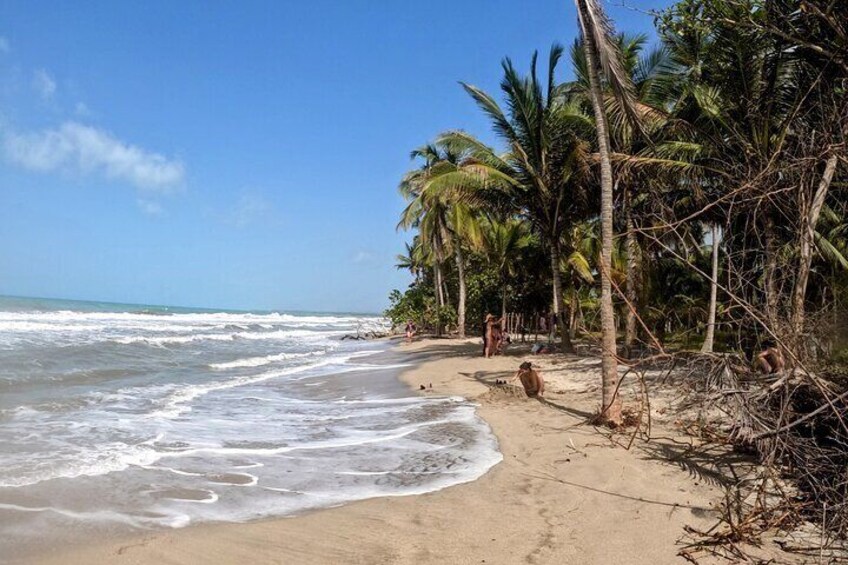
(208, 308)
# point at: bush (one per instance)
(419, 305)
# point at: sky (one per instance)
(238, 154)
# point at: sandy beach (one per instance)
(566, 491)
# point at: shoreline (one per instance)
(561, 494)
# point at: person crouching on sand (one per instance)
(410, 331)
(770, 360)
(532, 381)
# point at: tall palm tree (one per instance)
(604, 57)
(429, 220)
(545, 162)
(646, 70)
(445, 223)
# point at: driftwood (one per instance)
(794, 424)
(364, 336)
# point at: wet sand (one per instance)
(566, 492)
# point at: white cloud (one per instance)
(362, 257)
(78, 148)
(249, 209)
(150, 207)
(4, 45)
(44, 84)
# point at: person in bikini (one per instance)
(492, 336)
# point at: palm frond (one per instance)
(598, 29)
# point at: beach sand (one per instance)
(564, 493)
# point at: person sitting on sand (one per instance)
(770, 360)
(410, 330)
(531, 380)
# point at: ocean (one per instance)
(122, 418)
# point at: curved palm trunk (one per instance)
(567, 346)
(611, 401)
(707, 347)
(460, 309)
(808, 230)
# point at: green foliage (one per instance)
(741, 104)
(483, 293)
(409, 305)
(418, 304)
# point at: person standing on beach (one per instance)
(492, 336)
(531, 380)
(410, 330)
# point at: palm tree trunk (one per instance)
(611, 401)
(437, 276)
(440, 298)
(632, 257)
(503, 301)
(460, 309)
(707, 347)
(808, 230)
(567, 346)
(573, 314)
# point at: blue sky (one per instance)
(236, 154)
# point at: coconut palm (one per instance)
(445, 223)
(603, 58)
(646, 70)
(503, 244)
(542, 171)
(414, 260)
(763, 112)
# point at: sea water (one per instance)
(120, 418)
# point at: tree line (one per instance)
(689, 194)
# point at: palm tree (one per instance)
(414, 260)
(577, 265)
(604, 57)
(503, 245)
(761, 109)
(646, 71)
(445, 223)
(541, 172)
(428, 219)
